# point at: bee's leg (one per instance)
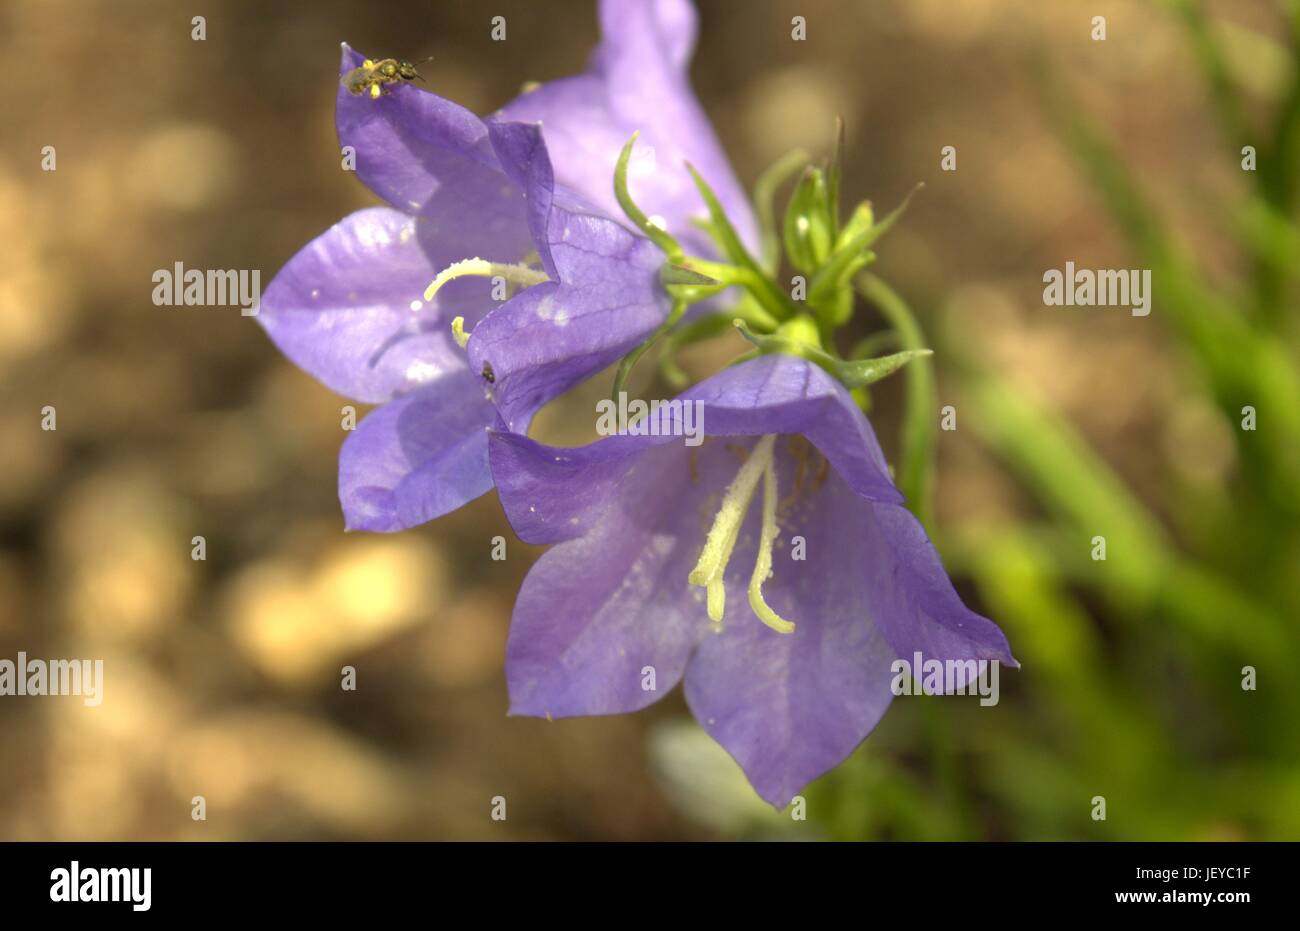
(375, 91)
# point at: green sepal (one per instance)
(773, 299)
(861, 220)
(858, 237)
(797, 337)
(802, 331)
(808, 227)
(856, 373)
(674, 274)
(860, 372)
(836, 309)
(659, 237)
(764, 194)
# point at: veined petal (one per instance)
(550, 494)
(417, 457)
(429, 156)
(637, 80)
(544, 489)
(868, 586)
(581, 649)
(599, 614)
(868, 590)
(342, 308)
(784, 394)
(915, 605)
(605, 297)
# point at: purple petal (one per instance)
(638, 80)
(871, 589)
(915, 604)
(417, 457)
(550, 494)
(790, 707)
(544, 489)
(605, 297)
(428, 156)
(595, 611)
(783, 394)
(342, 308)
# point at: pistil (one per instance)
(763, 562)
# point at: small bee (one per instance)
(375, 76)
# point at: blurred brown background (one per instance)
(222, 676)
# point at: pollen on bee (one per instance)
(374, 91)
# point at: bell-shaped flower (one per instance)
(773, 567)
(350, 308)
(506, 228)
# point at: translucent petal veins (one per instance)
(718, 546)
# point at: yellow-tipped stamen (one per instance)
(721, 540)
(515, 274)
(763, 564)
(458, 331)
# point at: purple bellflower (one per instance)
(669, 560)
(667, 557)
(368, 307)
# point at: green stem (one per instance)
(630, 360)
(916, 466)
(695, 331)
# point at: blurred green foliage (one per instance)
(1133, 667)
